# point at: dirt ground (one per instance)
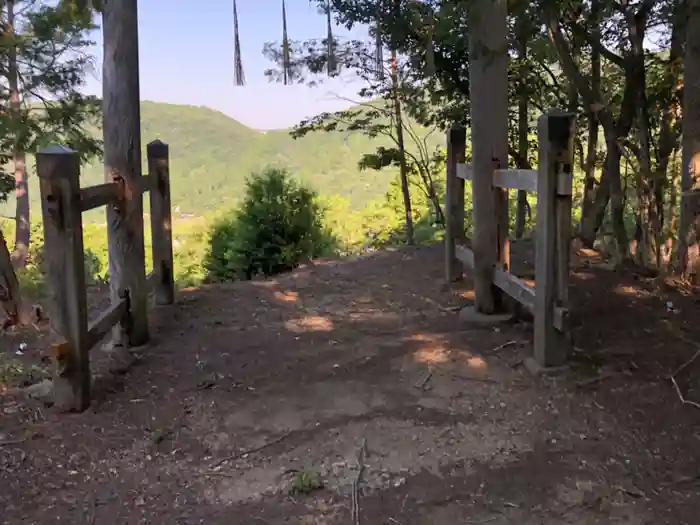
(257, 402)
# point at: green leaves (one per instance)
(49, 42)
(278, 225)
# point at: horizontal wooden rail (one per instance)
(464, 255)
(525, 180)
(107, 319)
(513, 286)
(103, 194)
(100, 195)
(464, 171)
(148, 182)
(517, 179)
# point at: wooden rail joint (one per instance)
(102, 194)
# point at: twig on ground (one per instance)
(356, 482)
(593, 380)
(421, 384)
(478, 379)
(10, 442)
(504, 345)
(683, 399)
(253, 450)
(686, 364)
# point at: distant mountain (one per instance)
(211, 155)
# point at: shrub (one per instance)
(278, 225)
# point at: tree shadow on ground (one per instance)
(252, 382)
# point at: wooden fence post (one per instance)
(59, 169)
(122, 158)
(161, 223)
(553, 236)
(454, 201)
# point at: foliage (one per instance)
(305, 482)
(386, 95)
(49, 42)
(212, 153)
(278, 225)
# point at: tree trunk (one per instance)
(122, 158)
(22, 230)
(403, 168)
(523, 120)
(688, 256)
(593, 126)
(614, 129)
(9, 287)
(488, 70)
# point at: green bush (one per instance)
(277, 226)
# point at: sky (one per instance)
(186, 57)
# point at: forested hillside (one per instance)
(211, 155)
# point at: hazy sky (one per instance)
(186, 53)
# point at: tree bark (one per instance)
(688, 251)
(122, 157)
(22, 226)
(403, 168)
(589, 183)
(488, 69)
(614, 129)
(523, 119)
(10, 297)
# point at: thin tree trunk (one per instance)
(22, 230)
(402, 151)
(523, 120)
(593, 126)
(672, 221)
(10, 297)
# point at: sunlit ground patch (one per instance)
(311, 323)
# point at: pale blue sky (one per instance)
(186, 53)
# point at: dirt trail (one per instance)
(252, 393)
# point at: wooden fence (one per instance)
(63, 203)
(489, 257)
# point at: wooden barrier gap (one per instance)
(548, 300)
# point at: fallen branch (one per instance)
(242, 453)
(593, 380)
(504, 345)
(473, 378)
(10, 442)
(685, 365)
(683, 399)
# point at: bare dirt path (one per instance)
(253, 395)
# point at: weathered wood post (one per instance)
(161, 222)
(454, 201)
(488, 66)
(59, 169)
(553, 237)
(122, 154)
